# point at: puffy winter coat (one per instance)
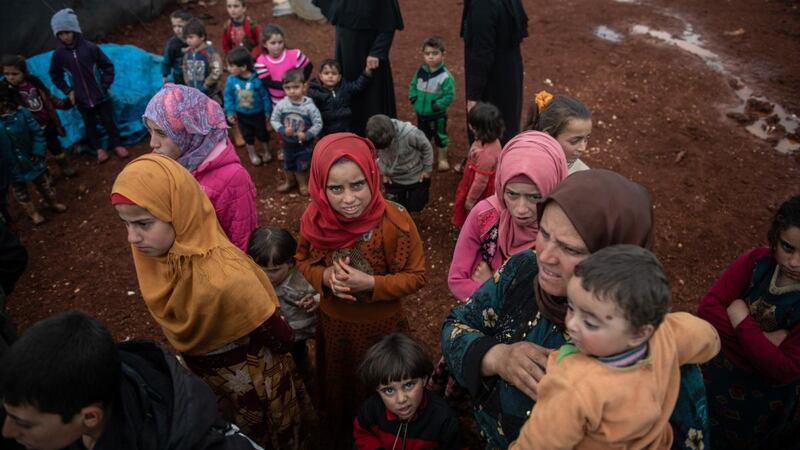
(334, 104)
(22, 143)
(231, 191)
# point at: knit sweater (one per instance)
(302, 118)
(586, 404)
(247, 96)
(409, 154)
(431, 91)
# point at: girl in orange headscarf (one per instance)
(363, 254)
(215, 305)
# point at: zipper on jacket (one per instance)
(83, 80)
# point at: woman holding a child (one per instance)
(496, 344)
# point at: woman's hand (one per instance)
(521, 365)
(776, 337)
(482, 273)
(737, 312)
(373, 62)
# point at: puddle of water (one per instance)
(692, 43)
(603, 32)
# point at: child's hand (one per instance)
(482, 273)
(232, 120)
(72, 97)
(349, 279)
(373, 62)
(288, 131)
(309, 303)
(424, 176)
(386, 179)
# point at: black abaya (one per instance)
(492, 32)
(366, 28)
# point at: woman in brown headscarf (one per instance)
(496, 344)
(215, 306)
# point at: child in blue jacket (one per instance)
(23, 147)
(247, 103)
(82, 59)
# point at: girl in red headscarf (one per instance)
(363, 254)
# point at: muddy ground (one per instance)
(659, 118)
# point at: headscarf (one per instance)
(205, 292)
(321, 225)
(192, 120)
(606, 209)
(539, 158)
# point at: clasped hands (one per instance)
(344, 280)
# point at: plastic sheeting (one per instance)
(137, 77)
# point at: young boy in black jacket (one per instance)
(67, 385)
(333, 96)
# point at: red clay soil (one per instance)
(659, 118)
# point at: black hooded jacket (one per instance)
(334, 104)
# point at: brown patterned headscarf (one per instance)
(606, 209)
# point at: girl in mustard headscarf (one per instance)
(214, 304)
(363, 254)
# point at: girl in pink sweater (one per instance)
(189, 127)
(276, 59)
(530, 166)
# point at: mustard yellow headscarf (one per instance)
(205, 292)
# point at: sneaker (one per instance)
(121, 151)
(281, 9)
(102, 156)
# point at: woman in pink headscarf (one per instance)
(530, 166)
(189, 127)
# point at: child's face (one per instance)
(43, 431)
(521, 201)
(787, 254)
(194, 40)
(330, 76)
(347, 190)
(149, 235)
(160, 142)
(274, 45)
(67, 37)
(13, 75)
(433, 56)
(177, 26)
(597, 326)
(294, 90)
(233, 69)
(235, 9)
(574, 138)
(403, 397)
(277, 273)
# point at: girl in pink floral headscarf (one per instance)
(189, 127)
(530, 166)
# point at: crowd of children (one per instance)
(239, 302)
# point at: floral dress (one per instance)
(503, 310)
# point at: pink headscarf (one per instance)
(192, 120)
(539, 158)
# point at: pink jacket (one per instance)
(231, 191)
(467, 253)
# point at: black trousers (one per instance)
(102, 113)
(413, 196)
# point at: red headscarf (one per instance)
(321, 225)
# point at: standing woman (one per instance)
(189, 127)
(363, 255)
(493, 31)
(216, 307)
(364, 33)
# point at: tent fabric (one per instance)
(137, 77)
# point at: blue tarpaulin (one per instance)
(137, 77)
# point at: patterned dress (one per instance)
(503, 310)
(750, 406)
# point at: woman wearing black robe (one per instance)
(492, 31)
(364, 33)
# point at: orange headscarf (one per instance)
(204, 292)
